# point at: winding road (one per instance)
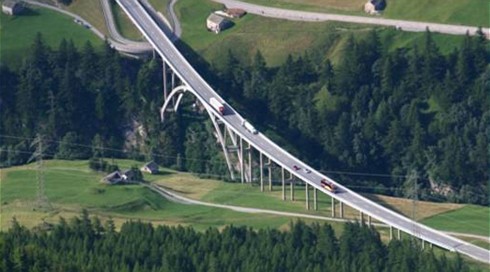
(196, 85)
(296, 15)
(174, 197)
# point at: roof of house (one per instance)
(378, 4)
(216, 19)
(151, 165)
(10, 3)
(116, 175)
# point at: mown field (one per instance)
(460, 12)
(17, 33)
(71, 186)
(276, 39)
(125, 26)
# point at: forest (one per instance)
(411, 122)
(85, 244)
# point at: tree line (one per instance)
(93, 103)
(85, 244)
(412, 112)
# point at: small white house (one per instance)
(374, 7)
(10, 7)
(150, 167)
(216, 23)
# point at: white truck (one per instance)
(249, 127)
(217, 105)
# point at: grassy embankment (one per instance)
(459, 12)
(124, 24)
(70, 186)
(278, 38)
(17, 33)
(90, 10)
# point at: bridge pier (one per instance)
(399, 234)
(242, 168)
(341, 209)
(261, 173)
(165, 94)
(391, 233)
(250, 178)
(361, 217)
(270, 174)
(333, 207)
(283, 184)
(315, 200)
(369, 220)
(307, 195)
(292, 189)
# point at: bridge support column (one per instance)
(341, 209)
(270, 174)
(423, 244)
(333, 207)
(283, 184)
(307, 195)
(361, 217)
(165, 94)
(261, 173)
(369, 220)
(315, 198)
(250, 178)
(242, 168)
(399, 234)
(292, 189)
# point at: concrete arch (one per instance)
(179, 91)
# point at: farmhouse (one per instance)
(374, 7)
(11, 7)
(216, 23)
(150, 167)
(113, 178)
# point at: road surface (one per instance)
(260, 142)
(296, 15)
(171, 196)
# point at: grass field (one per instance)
(463, 12)
(282, 37)
(90, 10)
(71, 186)
(124, 24)
(52, 25)
(468, 219)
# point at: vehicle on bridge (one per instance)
(328, 185)
(217, 105)
(249, 127)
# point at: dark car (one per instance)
(296, 168)
(328, 185)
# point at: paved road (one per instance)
(317, 17)
(171, 196)
(260, 142)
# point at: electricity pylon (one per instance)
(42, 199)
